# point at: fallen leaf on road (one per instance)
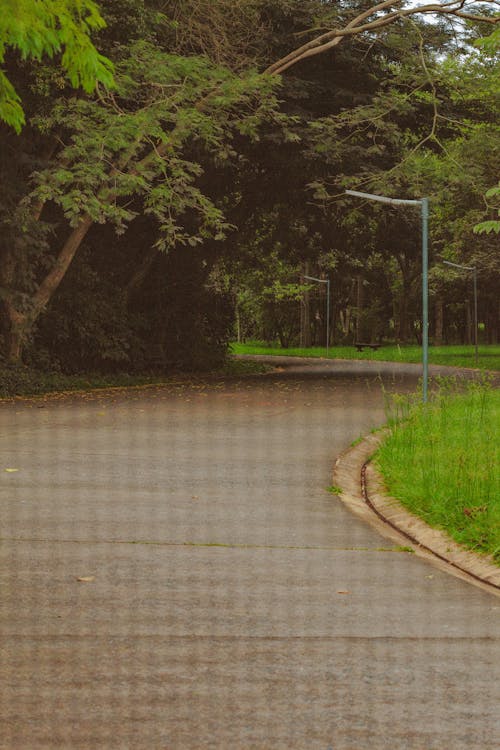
(85, 579)
(11, 470)
(343, 592)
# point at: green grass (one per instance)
(455, 356)
(442, 462)
(334, 489)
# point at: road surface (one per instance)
(230, 600)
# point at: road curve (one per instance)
(228, 600)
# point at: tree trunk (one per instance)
(492, 319)
(468, 322)
(403, 326)
(403, 319)
(238, 322)
(18, 324)
(438, 330)
(334, 315)
(347, 321)
(359, 308)
(16, 327)
(58, 270)
(12, 320)
(141, 272)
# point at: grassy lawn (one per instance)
(456, 356)
(442, 462)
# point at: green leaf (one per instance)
(11, 111)
(487, 227)
(36, 29)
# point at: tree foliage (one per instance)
(221, 156)
(38, 29)
(139, 149)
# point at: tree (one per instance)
(136, 150)
(158, 144)
(491, 44)
(375, 18)
(36, 29)
(355, 131)
(490, 225)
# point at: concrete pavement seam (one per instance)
(223, 545)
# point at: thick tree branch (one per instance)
(61, 265)
(316, 44)
(56, 274)
(330, 39)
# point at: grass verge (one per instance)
(454, 356)
(24, 381)
(441, 462)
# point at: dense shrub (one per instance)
(172, 322)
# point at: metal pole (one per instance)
(475, 314)
(327, 282)
(474, 271)
(425, 295)
(424, 202)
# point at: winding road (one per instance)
(228, 600)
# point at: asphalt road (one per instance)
(233, 601)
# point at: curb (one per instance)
(363, 493)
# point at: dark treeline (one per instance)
(145, 226)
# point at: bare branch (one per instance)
(357, 25)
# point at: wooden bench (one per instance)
(360, 347)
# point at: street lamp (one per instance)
(327, 282)
(424, 203)
(474, 271)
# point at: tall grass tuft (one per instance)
(442, 461)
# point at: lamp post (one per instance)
(474, 272)
(424, 204)
(327, 282)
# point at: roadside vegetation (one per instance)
(174, 173)
(454, 356)
(25, 381)
(441, 462)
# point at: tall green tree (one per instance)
(157, 145)
(136, 150)
(364, 107)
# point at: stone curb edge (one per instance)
(396, 523)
